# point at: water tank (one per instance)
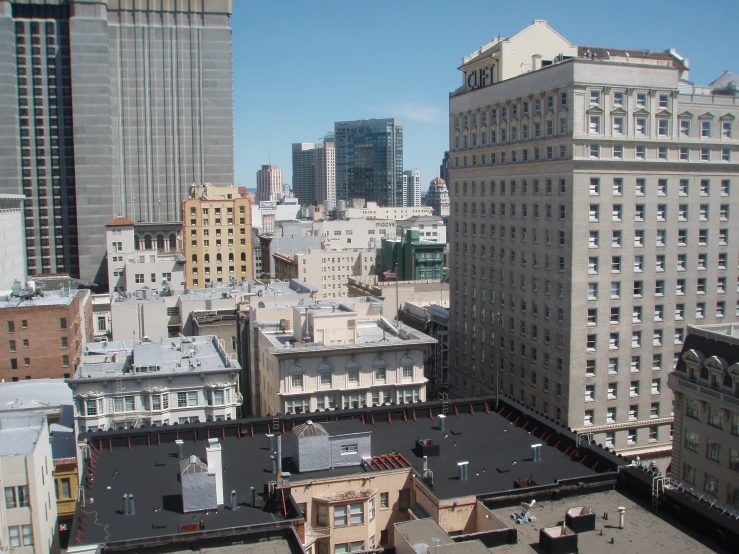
(328, 205)
(31, 286)
(341, 205)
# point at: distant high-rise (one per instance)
(438, 198)
(314, 171)
(369, 160)
(269, 183)
(412, 184)
(146, 112)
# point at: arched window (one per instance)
(137, 242)
(219, 258)
(297, 377)
(194, 258)
(172, 241)
(206, 258)
(406, 365)
(243, 256)
(380, 368)
(160, 242)
(147, 242)
(325, 375)
(230, 256)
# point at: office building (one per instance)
(328, 269)
(438, 198)
(150, 382)
(140, 119)
(218, 243)
(591, 198)
(369, 161)
(314, 171)
(359, 208)
(705, 452)
(431, 228)
(44, 332)
(28, 516)
(412, 187)
(269, 183)
(144, 255)
(329, 356)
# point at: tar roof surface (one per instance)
(488, 442)
(644, 531)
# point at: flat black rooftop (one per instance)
(143, 462)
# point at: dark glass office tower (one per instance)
(369, 160)
(110, 108)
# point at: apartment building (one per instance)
(28, 516)
(360, 208)
(218, 243)
(431, 228)
(151, 382)
(44, 332)
(328, 270)
(325, 356)
(412, 187)
(144, 255)
(591, 201)
(354, 233)
(705, 453)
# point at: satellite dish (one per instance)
(261, 305)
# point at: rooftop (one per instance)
(728, 332)
(120, 222)
(29, 299)
(19, 433)
(106, 359)
(34, 393)
(644, 531)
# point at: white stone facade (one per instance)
(323, 357)
(155, 382)
(590, 223)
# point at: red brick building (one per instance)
(42, 337)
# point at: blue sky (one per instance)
(299, 66)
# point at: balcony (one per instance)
(679, 384)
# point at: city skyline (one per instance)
(420, 86)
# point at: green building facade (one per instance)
(415, 259)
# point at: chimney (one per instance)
(462, 470)
(234, 503)
(215, 466)
(621, 512)
(536, 62)
(131, 505)
(253, 497)
(442, 419)
(125, 504)
(180, 446)
(536, 452)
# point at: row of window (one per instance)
(711, 484)
(527, 107)
(154, 402)
(15, 363)
(24, 324)
(12, 345)
(327, 380)
(634, 367)
(330, 401)
(712, 449)
(634, 388)
(617, 187)
(641, 126)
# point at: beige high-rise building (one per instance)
(590, 206)
(217, 236)
(314, 171)
(269, 183)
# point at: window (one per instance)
(634, 388)
(595, 124)
(348, 449)
(713, 451)
(356, 513)
(618, 125)
(688, 473)
(594, 150)
(594, 97)
(340, 516)
(705, 128)
(589, 414)
(384, 500)
(613, 340)
(641, 153)
(663, 127)
(684, 128)
(715, 418)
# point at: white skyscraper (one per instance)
(412, 187)
(269, 183)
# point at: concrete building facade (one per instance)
(139, 119)
(147, 255)
(705, 453)
(151, 382)
(438, 198)
(44, 333)
(218, 242)
(28, 514)
(327, 269)
(12, 234)
(369, 160)
(411, 187)
(591, 196)
(323, 357)
(269, 183)
(314, 171)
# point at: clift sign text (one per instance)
(480, 78)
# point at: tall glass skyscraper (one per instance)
(369, 160)
(110, 108)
